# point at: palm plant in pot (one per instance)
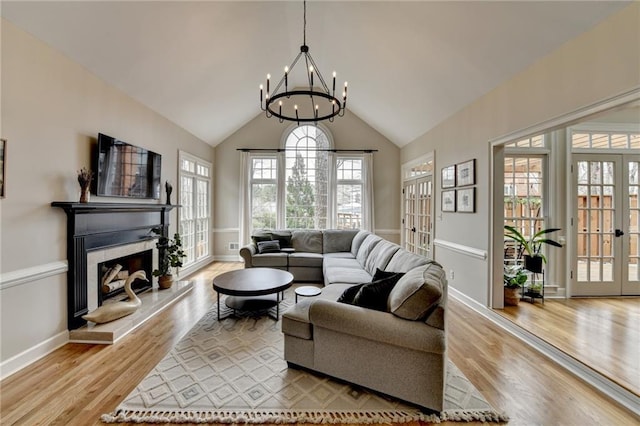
(514, 278)
(532, 246)
(171, 255)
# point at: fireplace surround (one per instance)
(97, 232)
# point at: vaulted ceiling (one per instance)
(409, 65)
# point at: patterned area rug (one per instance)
(233, 371)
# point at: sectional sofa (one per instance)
(398, 349)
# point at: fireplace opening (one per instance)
(113, 273)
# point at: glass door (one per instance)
(606, 219)
(417, 224)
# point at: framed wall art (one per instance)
(449, 200)
(3, 168)
(466, 200)
(466, 173)
(448, 175)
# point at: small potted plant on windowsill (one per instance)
(533, 257)
(514, 278)
(171, 255)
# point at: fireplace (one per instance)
(99, 234)
(113, 274)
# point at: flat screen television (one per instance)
(126, 170)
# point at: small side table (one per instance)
(307, 291)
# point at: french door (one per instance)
(606, 225)
(417, 224)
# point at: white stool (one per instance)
(307, 291)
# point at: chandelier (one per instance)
(314, 104)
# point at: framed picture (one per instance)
(466, 173)
(3, 155)
(449, 177)
(466, 200)
(449, 200)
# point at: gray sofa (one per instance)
(400, 351)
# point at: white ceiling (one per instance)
(409, 65)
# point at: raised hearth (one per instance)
(153, 301)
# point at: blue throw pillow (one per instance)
(268, 247)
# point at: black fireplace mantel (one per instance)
(94, 226)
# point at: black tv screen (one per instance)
(126, 170)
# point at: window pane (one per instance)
(349, 206)
(263, 206)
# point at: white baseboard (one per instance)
(33, 354)
(228, 258)
(588, 375)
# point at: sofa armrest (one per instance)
(247, 253)
(377, 326)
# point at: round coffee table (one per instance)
(307, 291)
(252, 289)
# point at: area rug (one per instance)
(233, 371)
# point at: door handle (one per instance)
(413, 229)
(619, 233)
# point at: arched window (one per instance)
(307, 178)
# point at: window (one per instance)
(306, 185)
(306, 173)
(195, 213)
(605, 140)
(264, 189)
(350, 186)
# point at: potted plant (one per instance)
(514, 278)
(533, 257)
(171, 255)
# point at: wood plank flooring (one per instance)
(77, 383)
(603, 333)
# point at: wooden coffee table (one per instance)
(252, 289)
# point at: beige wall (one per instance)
(349, 132)
(598, 64)
(52, 110)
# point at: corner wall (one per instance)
(596, 65)
(349, 132)
(52, 111)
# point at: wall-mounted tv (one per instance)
(126, 170)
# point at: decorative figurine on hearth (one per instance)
(169, 189)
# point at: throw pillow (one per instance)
(375, 294)
(417, 293)
(263, 236)
(380, 274)
(284, 238)
(348, 295)
(268, 246)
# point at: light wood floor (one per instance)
(603, 333)
(77, 383)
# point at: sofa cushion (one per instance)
(313, 260)
(380, 256)
(404, 261)
(357, 241)
(337, 240)
(309, 241)
(283, 237)
(272, 246)
(346, 276)
(367, 245)
(340, 262)
(417, 292)
(340, 255)
(270, 260)
(375, 295)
